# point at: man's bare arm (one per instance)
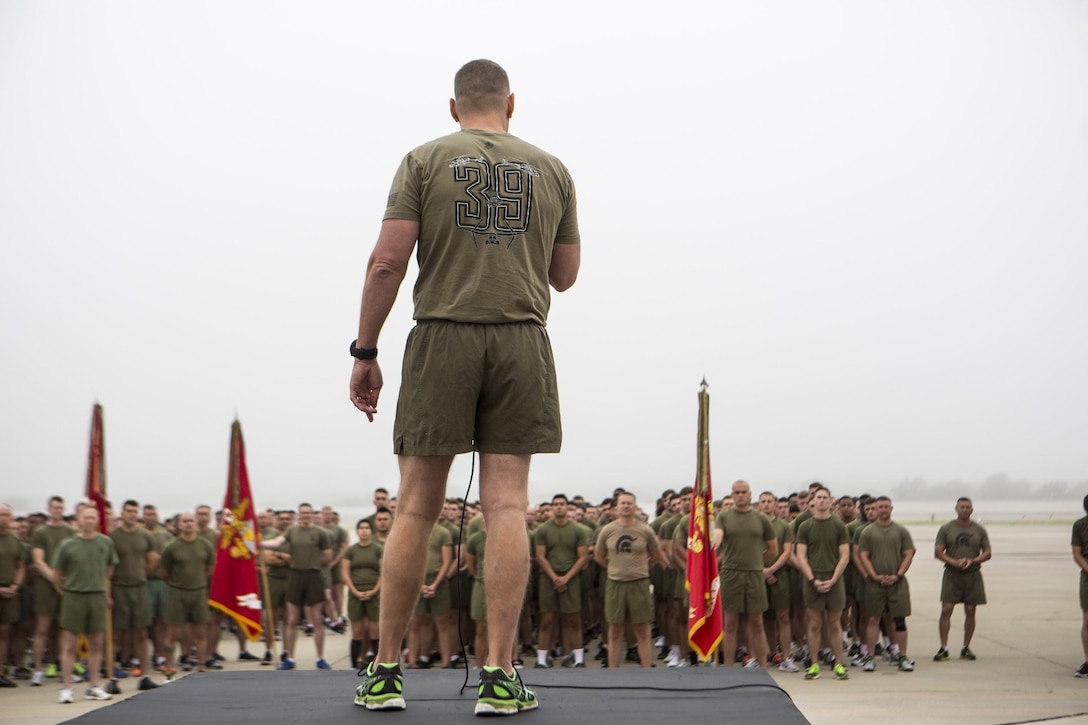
(384, 273)
(566, 260)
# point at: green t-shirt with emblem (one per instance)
(83, 562)
(628, 549)
(963, 542)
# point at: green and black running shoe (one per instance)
(503, 694)
(382, 688)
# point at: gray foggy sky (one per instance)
(865, 223)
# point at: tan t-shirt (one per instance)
(490, 208)
(629, 549)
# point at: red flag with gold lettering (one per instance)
(703, 584)
(234, 584)
(96, 469)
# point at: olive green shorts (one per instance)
(277, 593)
(184, 606)
(743, 591)
(305, 588)
(796, 596)
(492, 385)
(46, 599)
(628, 602)
(359, 610)
(832, 601)
(568, 602)
(156, 592)
(1084, 591)
(680, 586)
(479, 602)
(963, 587)
(894, 599)
(778, 594)
(131, 607)
(439, 603)
(83, 612)
(9, 609)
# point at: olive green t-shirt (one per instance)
(307, 543)
(83, 562)
(366, 563)
(162, 537)
(132, 550)
(561, 543)
(628, 549)
(822, 539)
(11, 553)
(186, 562)
(476, 545)
(963, 542)
(784, 534)
(490, 207)
(744, 538)
(1080, 536)
(885, 545)
(440, 537)
(47, 538)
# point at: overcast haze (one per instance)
(865, 223)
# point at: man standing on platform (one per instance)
(495, 220)
(963, 545)
(82, 565)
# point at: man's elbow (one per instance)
(562, 280)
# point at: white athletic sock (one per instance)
(674, 652)
(579, 656)
(542, 656)
(864, 650)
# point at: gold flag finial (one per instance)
(703, 386)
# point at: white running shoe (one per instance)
(97, 693)
(788, 665)
(37, 679)
(66, 695)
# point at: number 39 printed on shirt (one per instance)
(498, 199)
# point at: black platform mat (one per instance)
(629, 696)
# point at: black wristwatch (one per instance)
(362, 353)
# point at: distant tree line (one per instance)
(997, 487)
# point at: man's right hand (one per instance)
(366, 385)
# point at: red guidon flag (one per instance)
(96, 469)
(234, 585)
(703, 584)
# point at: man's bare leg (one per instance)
(504, 486)
(420, 499)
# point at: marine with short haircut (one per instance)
(47, 596)
(1079, 542)
(886, 550)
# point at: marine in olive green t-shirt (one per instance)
(184, 564)
(85, 562)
